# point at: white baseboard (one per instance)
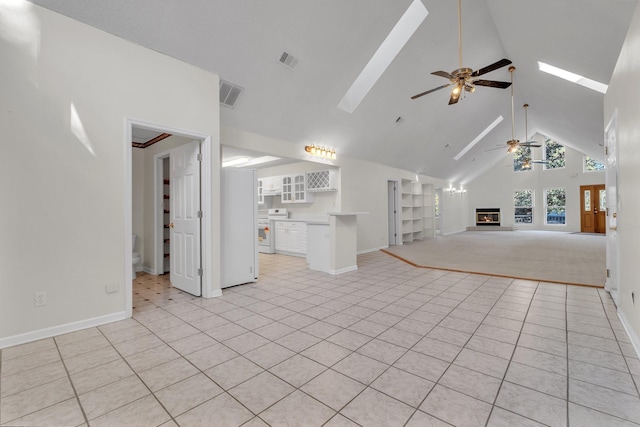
(366, 251)
(148, 270)
(454, 232)
(633, 336)
(343, 270)
(61, 329)
(215, 293)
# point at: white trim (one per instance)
(206, 226)
(635, 340)
(61, 329)
(215, 293)
(343, 270)
(149, 271)
(366, 251)
(453, 232)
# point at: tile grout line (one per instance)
(75, 392)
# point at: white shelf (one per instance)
(417, 211)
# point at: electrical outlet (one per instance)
(40, 298)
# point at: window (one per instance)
(553, 154)
(556, 205)
(523, 206)
(522, 155)
(592, 165)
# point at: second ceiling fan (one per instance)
(465, 79)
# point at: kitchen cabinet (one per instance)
(271, 185)
(291, 237)
(294, 189)
(324, 180)
(260, 194)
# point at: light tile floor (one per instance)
(387, 345)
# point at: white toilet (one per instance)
(135, 257)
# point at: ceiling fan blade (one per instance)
(530, 144)
(429, 91)
(492, 83)
(489, 68)
(494, 149)
(443, 74)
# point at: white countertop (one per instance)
(346, 213)
(307, 221)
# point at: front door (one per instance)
(185, 218)
(593, 209)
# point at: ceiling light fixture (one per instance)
(386, 53)
(235, 162)
(573, 78)
(316, 150)
(479, 137)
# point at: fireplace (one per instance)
(487, 216)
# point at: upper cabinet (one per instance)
(324, 180)
(294, 189)
(260, 194)
(271, 185)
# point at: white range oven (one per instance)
(266, 230)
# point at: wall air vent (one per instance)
(288, 60)
(229, 93)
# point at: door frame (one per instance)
(209, 289)
(612, 283)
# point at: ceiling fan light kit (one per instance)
(465, 79)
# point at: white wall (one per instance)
(67, 90)
(621, 98)
(495, 188)
(137, 199)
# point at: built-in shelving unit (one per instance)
(417, 211)
(166, 220)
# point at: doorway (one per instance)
(393, 195)
(593, 208)
(205, 269)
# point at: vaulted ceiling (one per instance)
(242, 40)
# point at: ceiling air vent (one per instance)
(289, 60)
(229, 93)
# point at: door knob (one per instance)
(171, 225)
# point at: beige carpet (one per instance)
(536, 255)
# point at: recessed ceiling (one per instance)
(333, 40)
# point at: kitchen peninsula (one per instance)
(332, 246)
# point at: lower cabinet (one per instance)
(291, 237)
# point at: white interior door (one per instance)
(611, 183)
(392, 212)
(185, 221)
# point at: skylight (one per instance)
(479, 137)
(573, 78)
(386, 53)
